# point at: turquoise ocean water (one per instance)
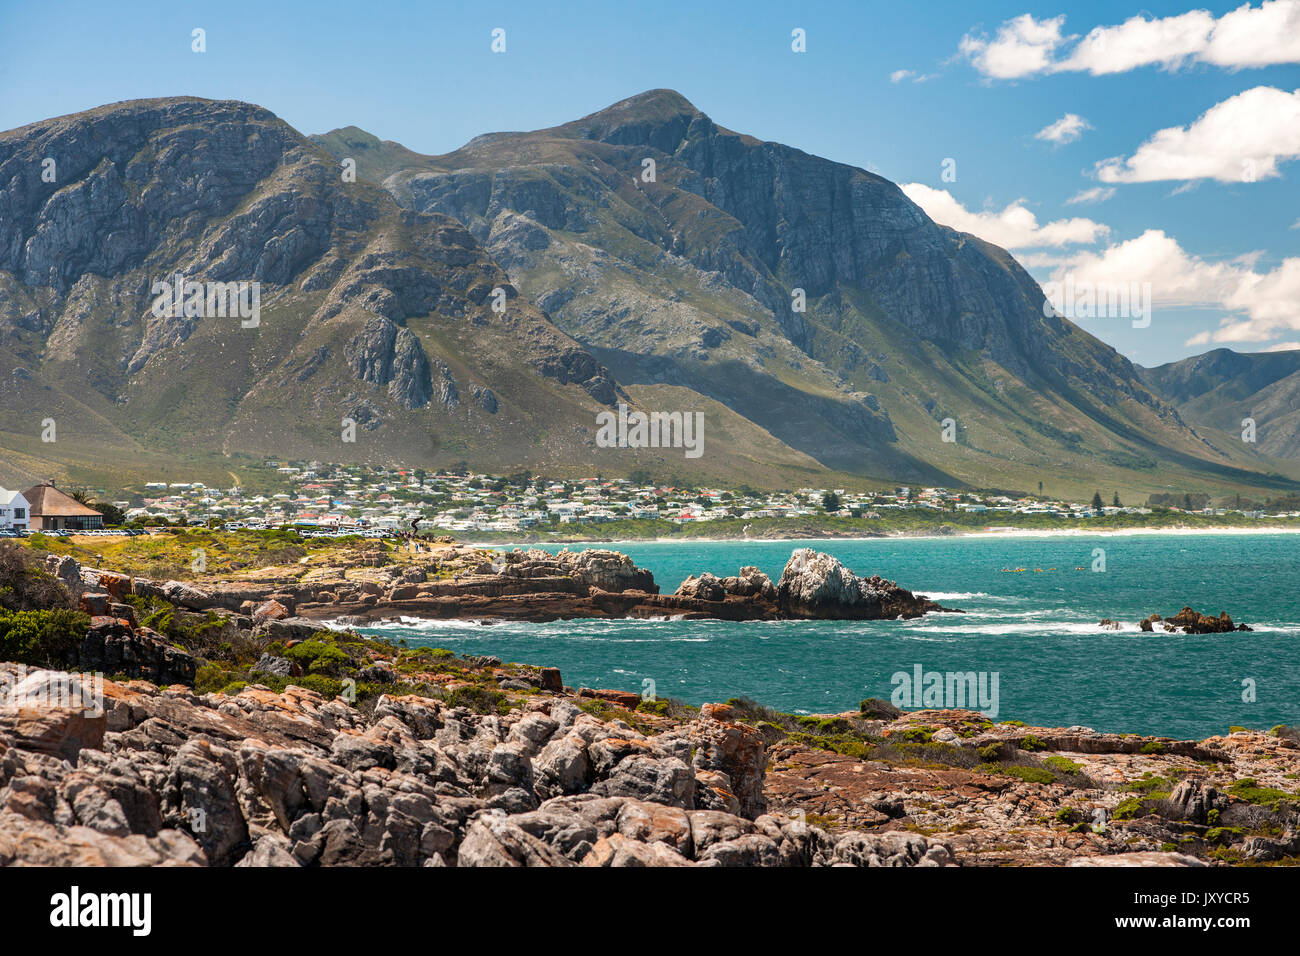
(1037, 630)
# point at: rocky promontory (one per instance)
(523, 585)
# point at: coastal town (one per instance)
(350, 499)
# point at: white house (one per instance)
(15, 513)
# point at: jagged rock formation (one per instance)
(293, 779)
(1189, 621)
(533, 585)
(750, 582)
(818, 585)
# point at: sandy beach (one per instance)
(987, 533)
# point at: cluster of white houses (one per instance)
(44, 508)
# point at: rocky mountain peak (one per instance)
(660, 119)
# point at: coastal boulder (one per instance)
(817, 585)
(607, 570)
(276, 666)
(1193, 622)
(749, 583)
(186, 596)
(68, 570)
(706, 587)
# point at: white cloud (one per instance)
(1014, 227)
(1022, 46)
(1283, 347)
(1239, 140)
(1256, 36)
(1263, 304)
(1096, 194)
(1245, 37)
(1137, 42)
(1065, 130)
(898, 76)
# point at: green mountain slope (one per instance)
(1219, 390)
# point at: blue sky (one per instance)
(1218, 241)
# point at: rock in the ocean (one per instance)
(818, 585)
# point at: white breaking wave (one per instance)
(1056, 628)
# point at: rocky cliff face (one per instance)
(486, 304)
(360, 304)
(687, 274)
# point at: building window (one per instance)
(20, 513)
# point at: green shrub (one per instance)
(849, 745)
(1221, 834)
(1031, 743)
(824, 725)
(326, 686)
(1246, 789)
(1128, 809)
(318, 657)
(1149, 783)
(1028, 774)
(990, 752)
(1063, 764)
(42, 638)
(481, 700)
(210, 678)
(1153, 747)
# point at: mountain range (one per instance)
(488, 304)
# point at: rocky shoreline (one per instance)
(216, 737)
(492, 767)
(533, 585)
